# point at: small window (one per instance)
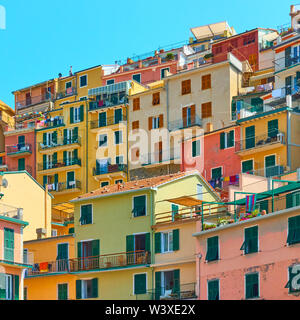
(196, 148)
(136, 104)
(139, 206)
(118, 137)
(293, 230)
(140, 283)
(247, 166)
(206, 110)
(83, 81)
(119, 181)
(226, 139)
(86, 214)
(62, 291)
(137, 78)
(213, 289)
(206, 82)
(216, 173)
(252, 287)
(104, 183)
(135, 125)
(103, 140)
(163, 72)
(156, 98)
(68, 84)
(167, 241)
(250, 244)
(186, 86)
(212, 253)
(119, 160)
(110, 81)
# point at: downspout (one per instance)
(152, 233)
(167, 95)
(288, 132)
(127, 141)
(87, 143)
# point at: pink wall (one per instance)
(272, 260)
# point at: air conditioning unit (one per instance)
(53, 233)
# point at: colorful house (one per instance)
(255, 256)
(13, 260)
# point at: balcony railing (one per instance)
(66, 93)
(161, 156)
(260, 141)
(21, 126)
(184, 291)
(59, 164)
(108, 261)
(48, 123)
(268, 172)
(63, 186)
(111, 168)
(27, 168)
(16, 256)
(21, 104)
(10, 212)
(108, 101)
(109, 121)
(59, 142)
(18, 149)
(183, 124)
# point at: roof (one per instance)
(134, 186)
(6, 107)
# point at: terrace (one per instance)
(59, 165)
(66, 93)
(184, 123)
(19, 149)
(34, 100)
(60, 142)
(109, 168)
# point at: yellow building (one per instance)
(20, 190)
(270, 142)
(49, 278)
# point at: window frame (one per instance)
(146, 198)
(162, 243)
(133, 276)
(84, 75)
(186, 86)
(244, 242)
(106, 145)
(245, 285)
(92, 214)
(196, 155)
(120, 137)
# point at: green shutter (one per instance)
(288, 85)
(17, 285)
(45, 181)
(21, 140)
(140, 285)
(176, 288)
(2, 286)
(212, 253)
(264, 205)
(216, 173)
(102, 119)
(65, 156)
(230, 142)
(79, 250)
(65, 136)
(147, 242)
(9, 244)
(176, 240)
(157, 238)
(213, 290)
(130, 243)
(95, 248)
(270, 161)
(293, 230)
(78, 289)
(63, 291)
(44, 138)
(54, 137)
(139, 208)
(75, 156)
(247, 166)
(222, 140)
(44, 161)
(95, 288)
(54, 158)
(157, 285)
(75, 135)
(250, 137)
(251, 286)
(72, 115)
(251, 240)
(175, 210)
(21, 164)
(81, 113)
(56, 179)
(273, 128)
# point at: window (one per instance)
(175, 210)
(206, 110)
(250, 244)
(293, 199)
(216, 173)
(118, 137)
(140, 283)
(226, 139)
(167, 283)
(71, 182)
(206, 82)
(137, 77)
(103, 140)
(139, 206)
(76, 115)
(118, 115)
(62, 291)
(102, 119)
(9, 245)
(250, 137)
(136, 104)
(86, 214)
(270, 166)
(212, 253)
(86, 289)
(21, 164)
(186, 86)
(252, 287)
(288, 85)
(196, 148)
(273, 128)
(155, 122)
(68, 85)
(104, 183)
(213, 289)
(188, 116)
(247, 166)
(119, 181)
(293, 230)
(110, 81)
(135, 125)
(119, 160)
(167, 241)
(163, 72)
(83, 81)
(294, 275)
(156, 98)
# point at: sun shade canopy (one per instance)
(186, 201)
(210, 30)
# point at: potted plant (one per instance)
(169, 56)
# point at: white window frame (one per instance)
(146, 200)
(82, 288)
(162, 70)
(170, 234)
(84, 75)
(197, 155)
(133, 278)
(155, 122)
(227, 138)
(76, 115)
(8, 294)
(256, 225)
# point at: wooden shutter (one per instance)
(150, 123)
(251, 282)
(157, 285)
(55, 179)
(157, 240)
(21, 164)
(78, 289)
(140, 285)
(72, 115)
(193, 114)
(17, 285)
(65, 157)
(161, 121)
(156, 98)
(212, 253)
(213, 290)
(95, 248)
(75, 135)
(175, 239)
(147, 242)
(184, 116)
(186, 86)
(95, 288)
(130, 243)
(135, 125)
(206, 110)
(44, 138)
(247, 166)
(81, 113)
(136, 104)
(251, 239)
(206, 82)
(222, 140)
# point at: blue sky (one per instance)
(43, 38)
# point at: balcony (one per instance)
(109, 169)
(260, 143)
(27, 168)
(109, 101)
(101, 262)
(184, 124)
(268, 172)
(16, 257)
(279, 95)
(31, 101)
(96, 124)
(18, 150)
(286, 62)
(59, 165)
(66, 93)
(20, 127)
(57, 121)
(65, 187)
(61, 143)
(161, 157)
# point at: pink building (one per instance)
(256, 257)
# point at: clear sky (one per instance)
(45, 37)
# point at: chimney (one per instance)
(292, 9)
(59, 75)
(70, 72)
(41, 233)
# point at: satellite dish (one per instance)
(4, 183)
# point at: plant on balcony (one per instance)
(208, 56)
(169, 56)
(209, 226)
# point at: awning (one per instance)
(65, 207)
(270, 36)
(186, 201)
(110, 89)
(262, 76)
(210, 30)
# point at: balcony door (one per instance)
(188, 116)
(62, 256)
(270, 166)
(167, 284)
(70, 179)
(250, 137)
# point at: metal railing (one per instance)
(108, 101)
(59, 142)
(183, 124)
(18, 148)
(260, 141)
(62, 186)
(66, 93)
(286, 62)
(268, 172)
(59, 164)
(27, 168)
(56, 122)
(21, 104)
(108, 122)
(11, 212)
(16, 256)
(21, 126)
(111, 168)
(160, 156)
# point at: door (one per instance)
(71, 180)
(9, 286)
(87, 253)
(250, 137)
(62, 256)
(28, 99)
(21, 164)
(9, 245)
(270, 166)
(139, 247)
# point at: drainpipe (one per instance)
(199, 256)
(127, 141)
(167, 95)
(152, 232)
(288, 138)
(86, 151)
